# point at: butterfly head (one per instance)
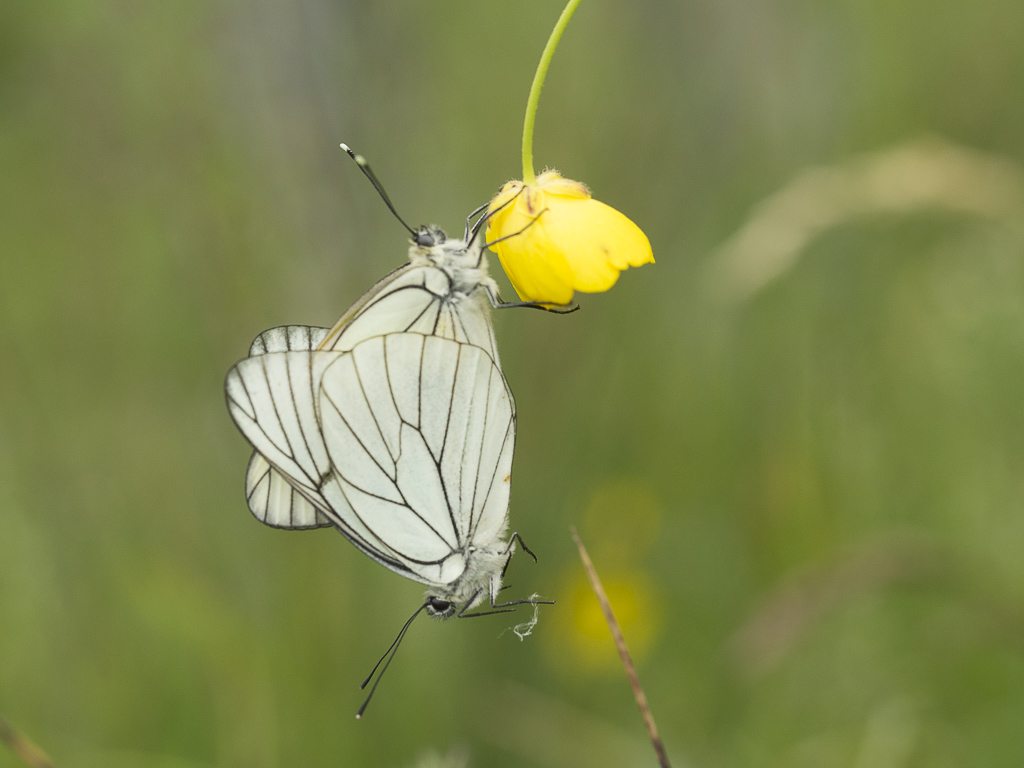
(463, 262)
(428, 237)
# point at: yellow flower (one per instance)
(561, 240)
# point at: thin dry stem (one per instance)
(627, 660)
(22, 746)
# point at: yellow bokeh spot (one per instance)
(582, 642)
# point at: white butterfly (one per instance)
(396, 426)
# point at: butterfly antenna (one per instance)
(389, 654)
(364, 166)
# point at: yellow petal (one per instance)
(538, 271)
(598, 241)
(498, 206)
(554, 184)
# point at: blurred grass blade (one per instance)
(23, 747)
(620, 644)
(917, 175)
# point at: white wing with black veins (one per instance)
(405, 444)
(416, 299)
(270, 496)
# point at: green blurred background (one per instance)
(795, 445)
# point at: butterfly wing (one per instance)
(271, 398)
(271, 498)
(404, 444)
(288, 338)
(415, 299)
(420, 432)
(274, 502)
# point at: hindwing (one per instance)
(270, 496)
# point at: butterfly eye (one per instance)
(440, 607)
(428, 238)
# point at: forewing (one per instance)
(419, 430)
(415, 299)
(408, 299)
(469, 321)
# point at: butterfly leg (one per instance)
(502, 607)
(508, 607)
(469, 222)
(508, 552)
(480, 222)
(533, 221)
(513, 539)
(523, 601)
(511, 605)
(463, 615)
(558, 309)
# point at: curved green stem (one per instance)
(529, 176)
